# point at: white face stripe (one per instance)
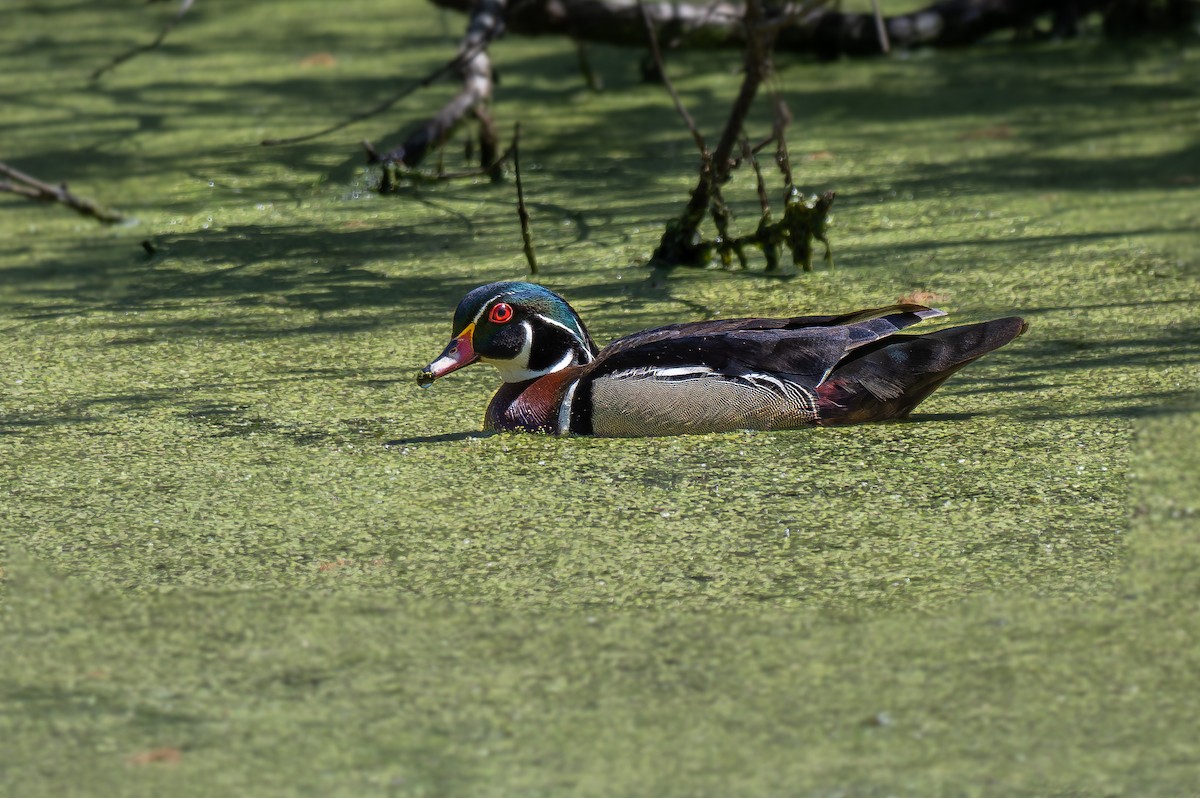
(521, 361)
(510, 370)
(572, 332)
(514, 371)
(569, 330)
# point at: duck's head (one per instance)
(522, 329)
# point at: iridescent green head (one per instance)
(524, 330)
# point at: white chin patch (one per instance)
(517, 369)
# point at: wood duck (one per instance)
(706, 376)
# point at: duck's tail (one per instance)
(889, 378)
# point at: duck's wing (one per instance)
(898, 315)
(725, 375)
(805, 346)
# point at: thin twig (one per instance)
(522, 213)
(757, 65)
(762, 145)
(652, 38)
(783, 118)
(184, 7)
(452, 64)
(24, 185)
(881, 28)
(760, 184)
(487, 144)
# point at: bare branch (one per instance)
(757, 64)
(454, 63)
(184, 7)
(394, 172)
(24, 185)
(760, 185)
(681, 241)
(475, 66)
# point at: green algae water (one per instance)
(244, 553)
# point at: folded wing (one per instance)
(730, 374)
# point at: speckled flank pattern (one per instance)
(639, 402)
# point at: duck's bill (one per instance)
(458, 353)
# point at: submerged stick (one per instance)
(24, 185)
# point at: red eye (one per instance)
(500, 313)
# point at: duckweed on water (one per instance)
(244, 553)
